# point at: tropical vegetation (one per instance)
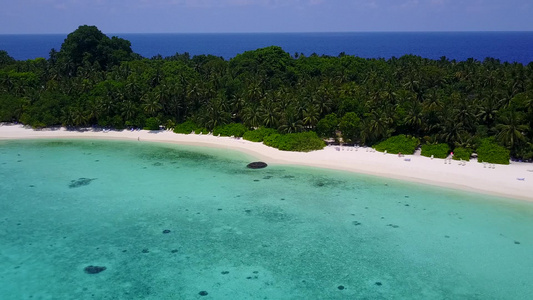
(461, 153)
(436, 150)
(94, 80)
(398, 144)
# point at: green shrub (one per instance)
(400, 143)
(462, 153)
(490, 152)
(437, 150)
(202, 130)
(350, 126)
(151, 124)
(258, 135)
(186, 127)
(169, 124)
(233, 129)
(302, 142)
(327, 126)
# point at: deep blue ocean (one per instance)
(505, 46)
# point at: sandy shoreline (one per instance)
(513, 181)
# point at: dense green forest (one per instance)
(97, 80)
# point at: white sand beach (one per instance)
(514, 180)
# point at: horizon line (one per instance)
(295, 32)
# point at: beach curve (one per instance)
(513, 181)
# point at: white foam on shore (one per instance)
(514, 180)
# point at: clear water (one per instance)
(276, 233)
(506, 46)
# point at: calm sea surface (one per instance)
(506, 46)
(170, 222)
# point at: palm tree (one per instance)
(290, 124)
(176, 105)
(238, 102)
(414, 116)
(376, 126)
(197, 95)
(20, 108)
(216, 113)
(452, 131)
(310, 116)
(464, 111)
(251, 115)
(464, 140)
(74, 116)
(269, 114)
(128, 110)
(7, 82)
(254, 92)
(156, 78)
(489, 107)
(94, 110)
(106, 105)
(133, 89)
(78, 116)
(510, 129)
(323, 99)
(150, 104)
(433, 101)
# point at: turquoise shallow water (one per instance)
(276, 233)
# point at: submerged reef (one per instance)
(80, 182)
(94, 269)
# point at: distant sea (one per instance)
(505, 46)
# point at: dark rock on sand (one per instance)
(94, 269)
(80, 182)
(257, 165)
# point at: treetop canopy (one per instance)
(88, 45)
